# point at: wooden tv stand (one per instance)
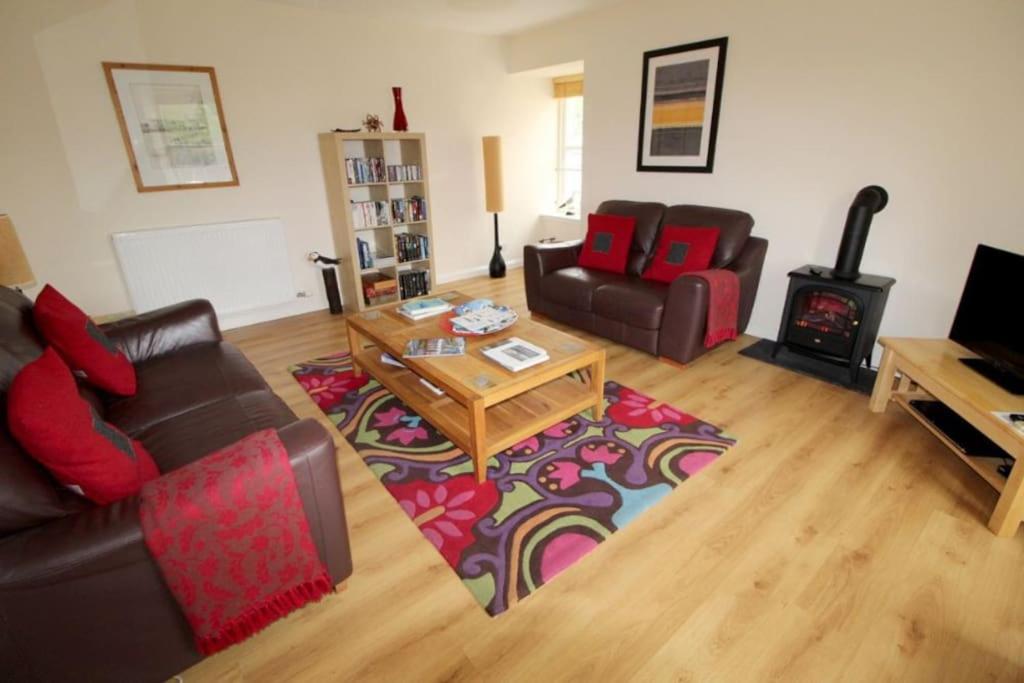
(931, 369)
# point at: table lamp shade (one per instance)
(493, 188)
(14, 268)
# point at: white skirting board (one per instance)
(242, 267)
(477, 271)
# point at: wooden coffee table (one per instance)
(485, 408)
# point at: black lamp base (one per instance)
(497, 267)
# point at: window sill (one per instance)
(560, 217)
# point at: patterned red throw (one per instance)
(232, 541)
(723, 305)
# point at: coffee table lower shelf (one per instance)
(504, 424)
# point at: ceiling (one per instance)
(491, 17)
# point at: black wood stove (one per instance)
(833, 314)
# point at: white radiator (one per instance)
(238, 266)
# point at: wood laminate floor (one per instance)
(830, 544)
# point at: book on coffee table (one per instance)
(423, 308)
(433, 348)
(515, 354)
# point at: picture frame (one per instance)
(172, 124)
(678, 128)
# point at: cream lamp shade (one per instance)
(493, 188)
(14, 268)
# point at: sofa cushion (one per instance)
(82, 345)
(638, 303)
(648, 217)
(681, 250)
(608, 241)
(733, 228)
(574, 287)
(57, 427)
(189, 436)
(181, 381)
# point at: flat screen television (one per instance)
(990, 319)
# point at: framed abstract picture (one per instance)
(173, 126)
(680, 101)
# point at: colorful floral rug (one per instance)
(547, 502)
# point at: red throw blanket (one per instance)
(232, 541)
(723, 305)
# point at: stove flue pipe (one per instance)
(866, 204)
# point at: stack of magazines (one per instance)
(432, 348)
(515, 354)
(423, 308)
(483, 320)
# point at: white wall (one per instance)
(285, 74)
(820, 99)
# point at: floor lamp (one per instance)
(494, 196)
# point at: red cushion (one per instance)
(59, 429)
(82, 345)
(607, 243)
(681, 250)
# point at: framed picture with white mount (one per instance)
(172, 124)
(680, 103)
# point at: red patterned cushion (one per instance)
(681, 250)
(607, 243)
(59, 429)
(82, 345)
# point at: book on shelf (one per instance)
(398, 173)
(413, 283)
(372, 214)
(515, 354)
(423, 308)
(359, 171)
(365, 254)
(409, 209)
(377, 286)
(435, 348)
(411, 247)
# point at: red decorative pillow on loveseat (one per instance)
(59, 429)
(82, 345)
(608, 240)
(681, 250)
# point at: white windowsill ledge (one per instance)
(561, 217)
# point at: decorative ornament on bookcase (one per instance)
(372, 123)
(400, 124)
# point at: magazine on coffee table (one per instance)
(515, 354)
(433, 348)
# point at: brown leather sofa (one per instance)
(80, 598)
(668, 320)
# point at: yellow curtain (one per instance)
(568, 86)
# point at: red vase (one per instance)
(400, 124)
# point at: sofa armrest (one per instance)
(165, 330)
(684, 321)
(747, 266)
(541, 259)
(314, 461)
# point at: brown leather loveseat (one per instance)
(80, 598)
(668, 320)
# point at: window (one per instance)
(569, 163)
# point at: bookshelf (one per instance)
(379, 201)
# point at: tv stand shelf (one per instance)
(932, 369)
